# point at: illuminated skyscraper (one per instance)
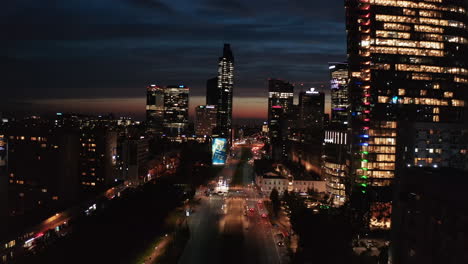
(406, 64)
(176, 103)
(154, 109)
(339, 92)
(225, 90)
(335, 143)
(280, 102)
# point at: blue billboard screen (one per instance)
(219, 151)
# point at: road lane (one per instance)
(223, 234)
(203, 225)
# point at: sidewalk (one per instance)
(174, 220)
(284, 226)
(159, 250)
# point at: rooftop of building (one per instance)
(300, 173)
(273, 175)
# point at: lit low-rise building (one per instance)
(272, 180)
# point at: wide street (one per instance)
(234, 228)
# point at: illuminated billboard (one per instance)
(219, 151)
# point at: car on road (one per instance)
(280, 244)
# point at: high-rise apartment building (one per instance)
(98, 158)
(42, 167)
(176, 103)
(339, 77)
(154, 109)
(205, 120)
(280, 103)
(312, 108)
(225, 91)
(134, 157)
(406, 63)
(293, 118)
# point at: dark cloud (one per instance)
(92, 49)
(151, 4)
(220, 8)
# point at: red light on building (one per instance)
(365, 23)
(365, 7)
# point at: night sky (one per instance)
(98, 55)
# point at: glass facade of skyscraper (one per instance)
(225, 90)
(339, 92)
(406, 63)
(280, 103)
(154, 109)
(176, 103)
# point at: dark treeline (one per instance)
(324, 236)
(116, 234)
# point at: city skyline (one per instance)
(289, 132)
(88, 59)
(244, 108)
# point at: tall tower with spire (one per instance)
(225, 90)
